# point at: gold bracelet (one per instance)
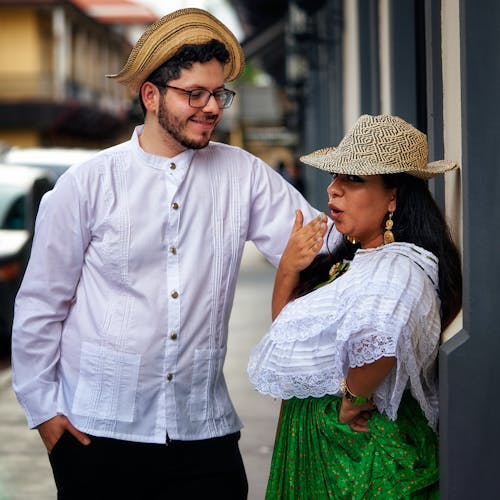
(356, 400)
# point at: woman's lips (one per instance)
(335, 212)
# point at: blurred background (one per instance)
(313, 67)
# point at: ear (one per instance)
(150, 97)
(392, 200)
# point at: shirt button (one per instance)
(173, 336)
(170, 376)
(173, 166)
(174, 294)
(173, 250)
(175, 205)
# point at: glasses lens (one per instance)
(198, 98)
(224, 98)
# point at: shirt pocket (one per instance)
(107, 383)
(209, 395)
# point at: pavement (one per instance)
(25, 472)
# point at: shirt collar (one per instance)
(181, 161)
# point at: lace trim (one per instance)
(286, 376)
(296, 386)
(370, 348)
(318, 337)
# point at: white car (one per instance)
(21, 190)
(54, 160)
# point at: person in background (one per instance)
(354, 343)
(121, 322)
(292, 172)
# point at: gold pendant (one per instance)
(334, 269)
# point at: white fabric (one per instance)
(386, 304)
(95, 314)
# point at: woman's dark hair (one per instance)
(184, 59)
(417, 220)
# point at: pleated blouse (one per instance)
(386, 304)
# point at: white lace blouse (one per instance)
(386, 304)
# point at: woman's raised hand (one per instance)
(304, 243)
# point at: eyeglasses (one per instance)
(198, 98)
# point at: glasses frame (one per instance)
(210, 94)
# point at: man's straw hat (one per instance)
(162, 39)
(379, 145)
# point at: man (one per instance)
(121, 322)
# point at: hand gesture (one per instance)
(304, 243)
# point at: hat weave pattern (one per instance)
(379, 145)
(162, 39)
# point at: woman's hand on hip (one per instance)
(356, 416)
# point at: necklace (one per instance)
(337, 270)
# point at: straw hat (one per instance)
(380, 145)
(162, 39)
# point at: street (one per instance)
(25, 472)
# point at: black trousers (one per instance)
(109, 469)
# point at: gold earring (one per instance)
(388, 234)
(351, 239)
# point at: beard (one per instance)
(175, 128)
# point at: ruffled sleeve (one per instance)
(385, 305)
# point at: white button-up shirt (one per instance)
(121, 320)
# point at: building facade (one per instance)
(54, 56)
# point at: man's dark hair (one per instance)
(417, 220)
(184, 59)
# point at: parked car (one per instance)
(54, 160)
(21, 190)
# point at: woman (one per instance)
(353, 350)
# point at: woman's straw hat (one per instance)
(162, 39)
(380, 145)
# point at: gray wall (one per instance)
(469, 364)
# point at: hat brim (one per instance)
(324, 159)
(165, 37)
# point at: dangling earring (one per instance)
(388, 234)
(351, 239)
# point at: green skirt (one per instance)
(316, 457)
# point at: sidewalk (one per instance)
(250, 320)
(25, 472)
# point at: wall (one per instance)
(20, 57)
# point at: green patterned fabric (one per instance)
(316, 457)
